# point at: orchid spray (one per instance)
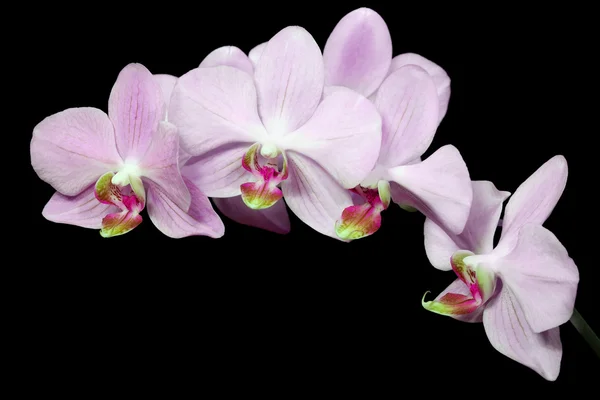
(337, 135)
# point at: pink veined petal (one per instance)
(440, 77)
(358, 53)
(255, 53)
(228, 55)
(167, 84)
(161, 164)
(218, 173)
(184, 157)
(289, 80)
(534, 200)
(460, 288)
(510, 333)
(439, 187)
(343, 136)
(82, 210)
(200, 220)
(483, 217)
(541, 276)
(274, 219)
(407, 102)
(313, 195)
(135, 106)
(70, 150)
(478, 235)
(439, 246)
(214, 107)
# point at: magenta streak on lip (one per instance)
(458, 304)
(264, 192)
(361, 220)
(118, 223)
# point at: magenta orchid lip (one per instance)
(336, 137)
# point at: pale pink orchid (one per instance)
(274, 218)
(107, 168)
(264, 132)
(411, 94)
(522, 289)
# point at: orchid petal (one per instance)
(83, 210)
(478, 235)
(184, 157)
(167, 84)
(534, 199)
(343, 136)
(399, 193)
(199, 220)
(160, 164)
(274, 219)
(440, 77)
(358, 52)
(218, 173)
(483, 217)
(214, 107)
(228, 55)
(439, 187)
(541, 276)
(135, 106)
(439, 245)
(313, 195)
(407, 102)
(289, 80)
(510, 333)
(255, 53)
(71, 149)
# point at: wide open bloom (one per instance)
(107, 168)
(274, 218)
(274, 126)
(522, 289)
(411, 93)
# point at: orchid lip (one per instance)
(131, 205)
(263, 193)
(363, 220)
(480, 281)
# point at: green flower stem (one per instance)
(584, 330)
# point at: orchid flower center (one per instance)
(364, 219)
(124, 190)
(480, 282)
(262, 160)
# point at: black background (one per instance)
(303, 309)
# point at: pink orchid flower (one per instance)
(107, 168)
(411, 94)
(522, 289)
(270, 120)
(274, 218)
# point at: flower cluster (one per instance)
(339, 134)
